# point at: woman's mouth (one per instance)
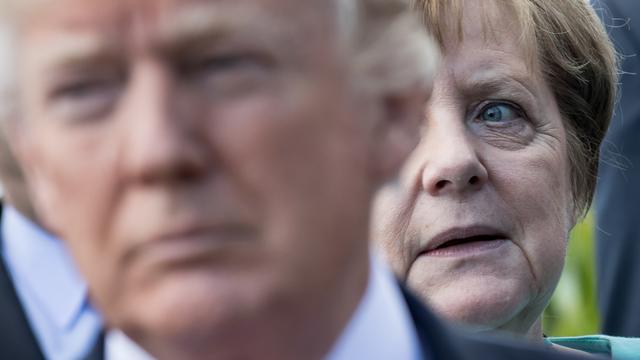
(465, 241)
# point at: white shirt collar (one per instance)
(118, 346)
(42, 262)
(50, 289)
(380, 328)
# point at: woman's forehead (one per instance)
(493, 24)
(450, 21)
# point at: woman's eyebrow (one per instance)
(486, 84)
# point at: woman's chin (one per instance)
(481, 308)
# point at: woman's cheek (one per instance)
(543, 204)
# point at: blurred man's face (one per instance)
(203, 159)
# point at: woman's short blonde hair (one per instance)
(578, 60)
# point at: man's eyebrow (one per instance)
(69, 49)
(211, 21)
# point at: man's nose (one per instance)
(451, 164)
(164, 143)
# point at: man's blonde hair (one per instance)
(383, 39)
(572, 50)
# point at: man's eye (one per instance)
(84, 99)
(212, 65)
(223, 76)
(224, 62)
(498, 113)
(81, 89)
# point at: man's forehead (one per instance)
(170, 17)
(82, 27)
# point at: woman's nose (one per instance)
(452, 165)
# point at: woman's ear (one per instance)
(398, 132)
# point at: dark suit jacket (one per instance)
(16, 338)
(439, 342)
(618, 193)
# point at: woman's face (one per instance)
(478, 220)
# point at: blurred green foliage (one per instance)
(573, 309)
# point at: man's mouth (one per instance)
(190, 245)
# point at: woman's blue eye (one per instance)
(499, 113)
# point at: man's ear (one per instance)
(14, 131)
(20, 142)
(398, 132)
(15, 139)
(15, 189)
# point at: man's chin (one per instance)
(188, 305)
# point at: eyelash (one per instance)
(483, 106)
(74, 88)
(220, 62)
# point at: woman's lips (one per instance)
(464, 241)
(466, 248)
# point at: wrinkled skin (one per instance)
(492, 156)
